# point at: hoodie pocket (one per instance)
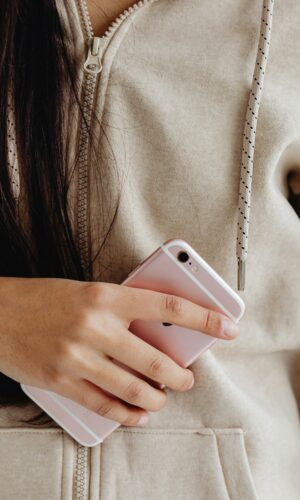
(175, 464)
(35, 464)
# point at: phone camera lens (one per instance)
(183, 257)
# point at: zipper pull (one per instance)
(93, 64)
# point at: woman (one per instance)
(115, 145)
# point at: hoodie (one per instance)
(198, 120)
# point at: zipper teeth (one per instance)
(88, 92)
(85, 16)
(116, 22)
(89, 88)
(81, 473)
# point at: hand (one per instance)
(63, 335)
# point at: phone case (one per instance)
(162, 271)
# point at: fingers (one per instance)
(135, 353)
(149, 305)
(104, 373)
(95, 399)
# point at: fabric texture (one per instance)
(171, 100)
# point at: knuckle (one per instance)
(172, 305)
(67, 352)
(156, 366)
(94, 294)
(130, 420)
(134, 391)
(216, 324)
(209, 320)
(103, 408)
(75, 356)
(52, 378)
(213, 323)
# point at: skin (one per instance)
(63, 335)
(103, 13)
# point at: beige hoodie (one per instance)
(172, 99)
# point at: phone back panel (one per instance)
(194, 280)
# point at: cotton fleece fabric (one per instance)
(172, 100)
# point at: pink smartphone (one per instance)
(174, 268)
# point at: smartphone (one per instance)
(174, 268)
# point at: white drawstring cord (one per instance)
(244, 206)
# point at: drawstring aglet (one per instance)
(241, 274)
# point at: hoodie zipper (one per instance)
(92, 70)
(81, 473)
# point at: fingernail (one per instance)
(230, 329)
(191, 384)
(143, 420)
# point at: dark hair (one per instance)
(36, 66)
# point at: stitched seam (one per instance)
(158, 432)
(46, 431)
(221, 465)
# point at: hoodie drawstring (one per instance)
(249, 141)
